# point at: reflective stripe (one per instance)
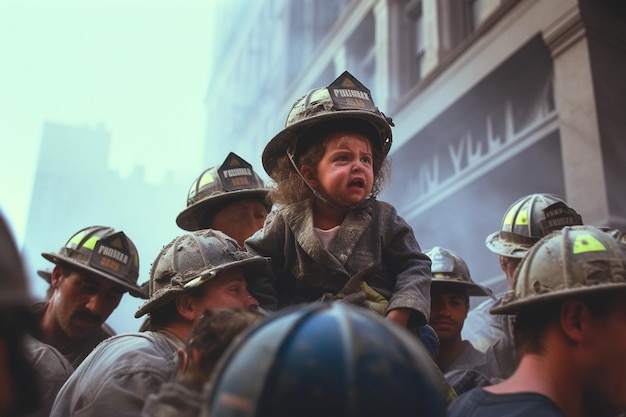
(587, 243)
(77, 241)
(207, 178)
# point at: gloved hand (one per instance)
(375, 301)
(356, 298)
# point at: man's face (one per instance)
(81, 301)
(226, 290)
(448, 311)
(240, 219)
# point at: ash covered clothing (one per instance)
(483, 329)
(473, 369)
(479, 402)
(463, 380)
(52, 370)
(76, 352)
(468, 358)
(176, 400)
(117, 377)
(303, 271)
(492, 334)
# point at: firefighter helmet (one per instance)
(13, 283)
(327, 359)
(45, 274)
(103, 251)
(345, 98)
(234, 179)
(190, 260)
(574, 261)
(450, 270)
(528, 220)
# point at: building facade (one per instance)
(491, 100)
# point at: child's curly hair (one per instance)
(290, 188)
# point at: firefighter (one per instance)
(230, 198)
(450, 290)
(185, 395)
(525, 222)
(193, 273)
(327, 359)
(569, 303)
(92, 271)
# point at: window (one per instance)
(413, 10)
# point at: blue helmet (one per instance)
(327, 359)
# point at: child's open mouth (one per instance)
(357, 183)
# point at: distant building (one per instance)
(74, 188)
(492, 100)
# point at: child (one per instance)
(328, 164)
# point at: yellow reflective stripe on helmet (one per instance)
(522, 218)
(510, 215)
(91, 242)
(587, 243)
(78, 237)
(319, 94)
(75, 240)
(207, 178)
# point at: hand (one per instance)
(400, 316)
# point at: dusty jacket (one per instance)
(483, 329)
(117, 377)
(52, 371)
(372, 236)
(468, 358)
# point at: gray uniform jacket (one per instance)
(118, 375)
(492, 334)
(483, 329)
(52, 371)
(468, 358)
(302, 270)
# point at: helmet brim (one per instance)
(496, 245)
(189, 218)
(515, 306)
(287, 138)
(57, 259)
(169, 293)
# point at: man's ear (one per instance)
(574, 316)
(183, 360)
(56, 276)
(186, 307)
(309, 175)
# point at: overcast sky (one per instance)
(139, 67)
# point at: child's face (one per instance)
(345, 173)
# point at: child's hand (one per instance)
(400, 316)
